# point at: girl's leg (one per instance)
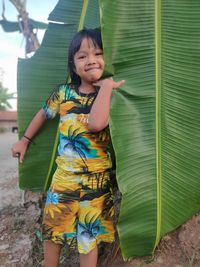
(51, 254)
(90, 259)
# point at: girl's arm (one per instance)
(99, 113)
(20, 147)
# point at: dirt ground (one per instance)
(20, 233)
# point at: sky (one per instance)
(12, 44)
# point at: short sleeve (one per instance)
(52, 104)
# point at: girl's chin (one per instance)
(95, 77)
(95, 80)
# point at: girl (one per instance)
(79, 203)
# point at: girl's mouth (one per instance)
(91, 69)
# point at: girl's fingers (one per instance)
(21, 158)
(14, 153)
(118, 84)
(19, 155)
(96, 84)
(115, 84)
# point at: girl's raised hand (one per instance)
(109, 83)
(99, 114)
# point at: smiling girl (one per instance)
(79, 207)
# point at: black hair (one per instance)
(95, 36)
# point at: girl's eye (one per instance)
(81, 57)
(99, 53)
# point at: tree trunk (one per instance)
(32, 43)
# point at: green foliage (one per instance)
(12, 26)
(155, 127)
(5, 96)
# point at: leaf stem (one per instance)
(158, 114)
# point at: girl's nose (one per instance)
(91, 59)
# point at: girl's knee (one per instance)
(51, 254)
(51, 248)
(89, 259)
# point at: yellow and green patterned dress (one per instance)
(79, 206)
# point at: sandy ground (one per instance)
(20, 226)
(9, 191)
(17, 224)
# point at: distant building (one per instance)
(8, 121)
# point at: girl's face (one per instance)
(89, 62)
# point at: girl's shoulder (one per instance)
(66, 86)
(61, 87)
(66, 91)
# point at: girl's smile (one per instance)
(89, 62)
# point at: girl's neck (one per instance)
(86, 88)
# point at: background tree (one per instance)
(5, 96)
(28, 27)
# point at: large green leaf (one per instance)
(130, 49)
(154, 45)
(155, 125)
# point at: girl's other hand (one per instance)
(109, 83)
(19, 149)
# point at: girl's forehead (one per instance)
(88, 43)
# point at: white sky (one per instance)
(12, 44)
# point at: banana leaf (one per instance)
(12, 26)
(155, 124)
(9, 26)
(154, 120)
